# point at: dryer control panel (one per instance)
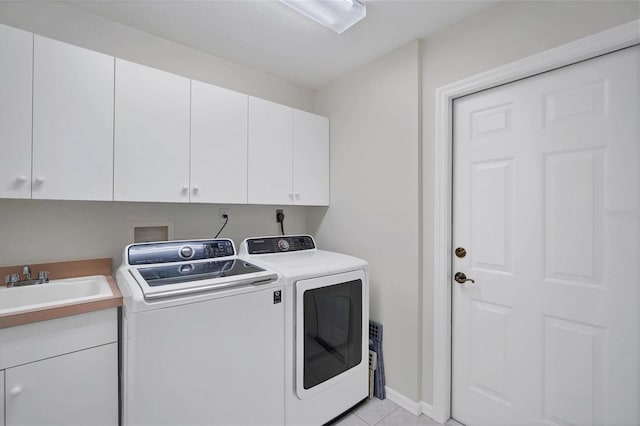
(285, 243)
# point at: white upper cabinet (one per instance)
(80, 125)
(288, 155)
(151, 152)
(270, 152)
(72, 122)
(310, 159)
(16, 65)
(218, 144)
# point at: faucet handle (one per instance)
(43, 277)
(11, 279)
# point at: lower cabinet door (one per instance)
(1, 397)
(80, 388)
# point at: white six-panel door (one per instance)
(546, 204)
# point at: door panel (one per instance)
(151, 144)
(16, 83)
(218, 144)
(546, 202)
(80, 388)
(1, 397)
(270, 153)
(72, 122)
(310, 159)
(330, 330)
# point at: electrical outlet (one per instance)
(279, 215)
(222, 213)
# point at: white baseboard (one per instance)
(427, 409)
(413, 407)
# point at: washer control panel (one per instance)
(286, 243)
(178, 251)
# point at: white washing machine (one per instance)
(202, 336)
(326, 299)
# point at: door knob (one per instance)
(15, 391)
(462, 278)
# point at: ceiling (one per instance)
(268, 36)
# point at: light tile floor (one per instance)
(384, 413)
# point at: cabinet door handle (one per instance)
(21, 178)
(15, 391)
(39, 179)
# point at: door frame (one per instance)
(601, 43)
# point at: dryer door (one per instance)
(331, 330)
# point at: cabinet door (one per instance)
(80, 388)
(1, 397)
(72, 122)
(151, 153)
(16, 65)
(218, 144)
(310, 159)
(270, 153)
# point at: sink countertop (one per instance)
(62, 270)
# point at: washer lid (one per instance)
(177, 279)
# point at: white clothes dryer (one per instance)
(326, 302)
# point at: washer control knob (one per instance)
(186, 252)
(283, 245)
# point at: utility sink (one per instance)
(53, 293)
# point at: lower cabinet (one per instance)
(72, 389)
(1, 398)
(62, 371)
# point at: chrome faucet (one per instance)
(26, 271)
(13, 280)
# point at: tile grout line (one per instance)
(382, 419)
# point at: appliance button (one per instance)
(185, 269)
(186, 252)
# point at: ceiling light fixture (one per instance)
(339, 15)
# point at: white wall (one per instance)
(34, 231)
(509, 31)
(38, 231)
(374, 212)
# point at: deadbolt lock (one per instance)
(461, 252)
(461, 278)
